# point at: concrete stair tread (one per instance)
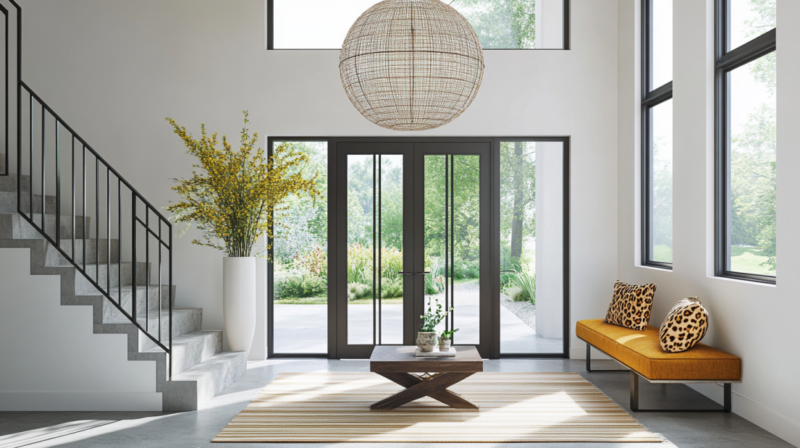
(142, 316)
(9, 183)
(210, 366)
(15, 226)
(212, 376)
(101, 264)
(191, 349)
(185, 339)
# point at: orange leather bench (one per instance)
(641, 352)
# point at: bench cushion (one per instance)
(641, 351)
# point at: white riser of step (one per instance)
(112, 314)
(191, 349)
(8, 203)
(84, 287)
(214, 375)
(54, 257)
(9, 183)
(14, 226)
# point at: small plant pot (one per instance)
(426, 341)
(444, 345)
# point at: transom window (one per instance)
(500, 24)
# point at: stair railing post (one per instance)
(108, 229)
(169, 227)
(147, 268)
(133, 249)
(73, 197)
(58, 185)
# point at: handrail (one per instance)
(133, 218)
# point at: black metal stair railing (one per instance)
(130, 224)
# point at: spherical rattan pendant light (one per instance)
(411, 65)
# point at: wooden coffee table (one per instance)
(424, 377)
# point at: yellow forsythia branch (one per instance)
(233, 196)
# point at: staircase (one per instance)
(200, 369)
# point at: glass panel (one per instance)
(751, 205)
(662, 43)
(391, 233)
(452, 242)
(466, 251)
(499, 24)
(436, 232)
(750, 19)
(660, 201)
(315, 23)
(531, 247)
(361, 176)
(300, 261)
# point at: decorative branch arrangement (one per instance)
(237, 195)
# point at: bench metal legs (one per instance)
(589, 362)
(635, 399)
(635, 390)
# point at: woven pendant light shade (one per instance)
(411, 65)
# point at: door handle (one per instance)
(413, 273)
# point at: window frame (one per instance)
(651, 97)
(725, 61)
(271, 38)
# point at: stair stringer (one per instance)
(177, 396)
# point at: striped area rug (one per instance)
(514, 407)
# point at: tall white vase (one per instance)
(239, 301)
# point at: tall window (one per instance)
(657, 133)
(500, 24)
(746, 139)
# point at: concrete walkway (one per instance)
(303, 329)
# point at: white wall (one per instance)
(51, 360)
(753, 321)
(114, 69)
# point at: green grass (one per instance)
(749, 260)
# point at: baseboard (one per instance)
(758, 414)
(80, 401)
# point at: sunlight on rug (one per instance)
(514, 407)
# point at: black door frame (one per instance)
(494, 257)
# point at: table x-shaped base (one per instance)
(417, 387)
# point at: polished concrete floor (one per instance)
(196, 429)
(304, 329)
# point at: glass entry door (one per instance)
(452, 238)
(374, 300)
(412, 229)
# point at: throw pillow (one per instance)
(630, 306)
(684, 326)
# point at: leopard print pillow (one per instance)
(684, 326)
(630, 306)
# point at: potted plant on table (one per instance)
(446, 339)
(426, 337)
(233, 198)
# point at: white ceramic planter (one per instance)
(239, 301)
(426, 340)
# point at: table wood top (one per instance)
(400, 358)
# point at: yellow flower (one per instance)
(235, 196)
